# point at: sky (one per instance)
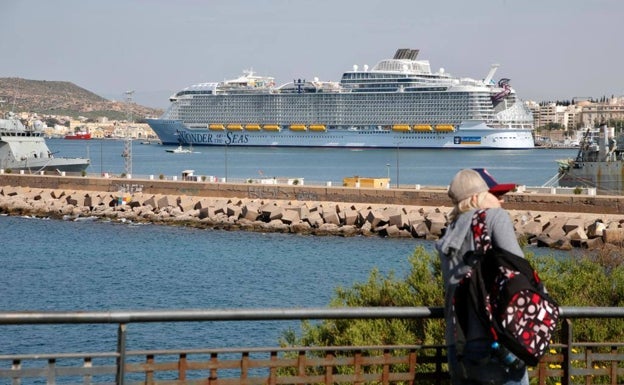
(550, 49)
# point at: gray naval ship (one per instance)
(24, 148)
(599, 163)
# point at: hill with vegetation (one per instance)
(64, 99)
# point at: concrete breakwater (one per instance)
(549, 229)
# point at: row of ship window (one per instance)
(328, 118)
(373, 96)
(320, 107)
(340, 107)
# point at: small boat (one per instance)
(180, 150)
(80, 135)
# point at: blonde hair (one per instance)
(467, 205)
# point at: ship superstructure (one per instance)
(398, 102)
(599, 163)
(24, 148)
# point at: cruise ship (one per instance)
(399, 102)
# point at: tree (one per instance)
(51, 122)
(553, 126)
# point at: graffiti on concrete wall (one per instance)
(278, 193)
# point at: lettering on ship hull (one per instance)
(467, 140)
(209, 138)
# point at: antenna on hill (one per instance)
(127, 154)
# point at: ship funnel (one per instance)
(490, 75)
(606, 143)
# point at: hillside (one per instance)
(65, 99)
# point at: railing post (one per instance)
(121, 354)
(51, 371)
(566, 339)
(441, 358)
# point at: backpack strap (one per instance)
(482, 243)
(480, 234)
(480, 237)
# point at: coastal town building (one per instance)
(579, 114)
(100, 129)
(592, 114)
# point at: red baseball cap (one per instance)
(495, 188)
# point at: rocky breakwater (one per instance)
(549, 229)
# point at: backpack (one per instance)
(509, 298)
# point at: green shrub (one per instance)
(587, 280)
(422, 287)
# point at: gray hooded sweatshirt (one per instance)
(454, 244)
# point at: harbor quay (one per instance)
(547, 220)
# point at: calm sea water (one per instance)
(91, 265)
(64, 265)
(410, 167)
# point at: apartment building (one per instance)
(583, 113)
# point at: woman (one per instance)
(471, 190)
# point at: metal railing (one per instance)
(568, 362)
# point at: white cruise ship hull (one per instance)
(467, 136)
